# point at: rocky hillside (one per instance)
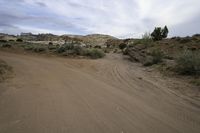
(93, 39)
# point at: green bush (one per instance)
(52, 47)
(19, 40)
(155, 57)
(94, 53)
(188, 63)
(5, 70)
(185, 40)
(122, 46)
(69, 46)
(78, 50)
(3, 41)
(6, 45)
(68, 52)
(39, 49)
(146, 39)
(50, 43)
(61, 49)
(29, 47)
(196, 82)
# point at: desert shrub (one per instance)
(68, 52)
(78, 50)
(106, 50)
(50, 43)
(188, 63)
(156, 56)
(61, 49)
(19, 40)
(173, 38)
(178, 38)
(97, 46)
(146, 39)
(196, 35)
(4, 70)
(69, 46)
(52, 47)
(6, 45)
(94, 53)
(138, 41)
(29, 47)
(3, 41)
(159, 33)
(185, 40)
(64, 47)
(39, 49)
(122, 46)
(196, 82)
(148, 61)
(125, 51)
(115, 51)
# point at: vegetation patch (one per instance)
(94, 53)
(39, 49)
(196, 81)
(5, 70)
(188, 63)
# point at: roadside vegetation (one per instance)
(188, 63)
(67, 49)
(5, 70)
(177, 55)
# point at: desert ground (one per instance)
(109, 95)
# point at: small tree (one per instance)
(122, 46)
(165, 32)
(159, 33)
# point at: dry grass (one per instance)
(5, 70)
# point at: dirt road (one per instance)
(111, 95)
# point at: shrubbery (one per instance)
(19, 40)
(146, 39)
(29, 47)
(185, 40)
(94, 53)
(156, 56)
(188, 63)
(3, 41)
(68, 49)
(52, 47)
(4, 70)
(122, 46)
(6, 45)
(39, 49)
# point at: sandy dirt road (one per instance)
(111, 95)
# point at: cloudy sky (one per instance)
(120, 18)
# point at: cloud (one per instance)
(121, 18)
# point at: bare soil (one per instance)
(110, 95)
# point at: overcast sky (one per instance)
(120, 18)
